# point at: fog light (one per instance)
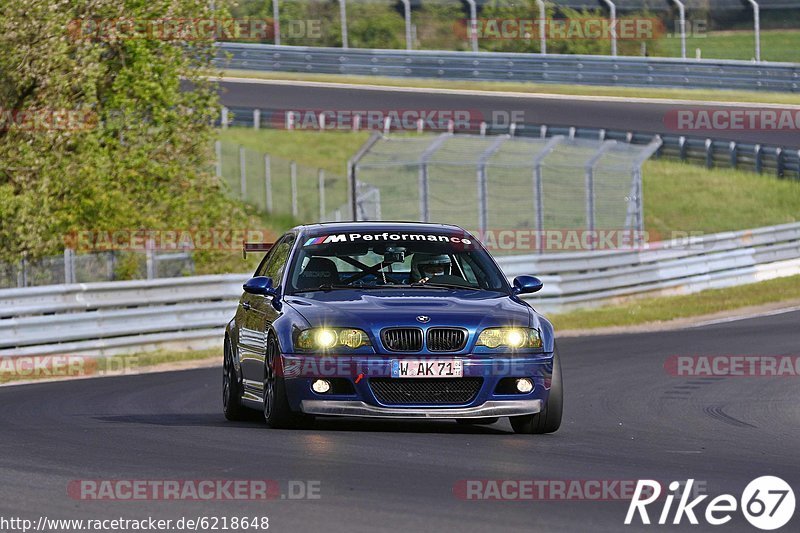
(524, 385)
(321, 386)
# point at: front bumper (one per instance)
(491, 408)
(491, 400)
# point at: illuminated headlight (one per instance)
(321, 386)
(514, 338)
(330, 338)
(524, 385)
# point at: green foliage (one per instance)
(140, 156)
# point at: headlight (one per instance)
(514, 338)
(330, 338)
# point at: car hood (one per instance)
(373, 309)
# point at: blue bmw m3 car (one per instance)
(389, 320)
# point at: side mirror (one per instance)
(261, 285)
(527, 284)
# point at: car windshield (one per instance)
(381, 260)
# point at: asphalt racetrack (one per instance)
(626, 418)
(562, 111)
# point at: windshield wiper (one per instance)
(326, 287)
(443, 286)
(333, 287)
(450, 286)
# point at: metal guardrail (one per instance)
(497, 66)
(113, 317)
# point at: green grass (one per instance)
(776, 45)
(328, 150)
(702, 95)
(685, 197)
(97, 366)
(671, 307)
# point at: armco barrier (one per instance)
(497, 66)
(113, 317)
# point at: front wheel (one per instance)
(549, 419)
(231, 390)
(277, 412)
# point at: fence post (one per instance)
(256, 119)
(22, 275)
(321, 174)
(268, 183)
(276, 22)
(218, 152)
(756, 27)
(224, 118)
(242, 173)
(682, 147)
(69, 266)
(542, 27)
(483, 187)
(682, 15)
(734, 155)
(293, 178)
(407, 18)
(758, 162)
(473, 25)
(343, 18)
(423, 191)
(538, 187)
(483, 201)
(779, 161)
(351, 189)
(589, 168)
(709, 153)
(613, 14)
(110, 260)
(150, 262)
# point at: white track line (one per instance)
(501, 94)
(744, 317)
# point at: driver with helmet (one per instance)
(426, 266)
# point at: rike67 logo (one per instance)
(767, 503)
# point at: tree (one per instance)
(98, 127)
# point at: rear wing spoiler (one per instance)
(255, 247)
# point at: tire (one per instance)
(478, 421)
(231, 389)
(277, 412)
(549, 419)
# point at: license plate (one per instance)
(433, 368)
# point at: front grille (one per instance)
(402, 339)
(446, 339)
(431, 391)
